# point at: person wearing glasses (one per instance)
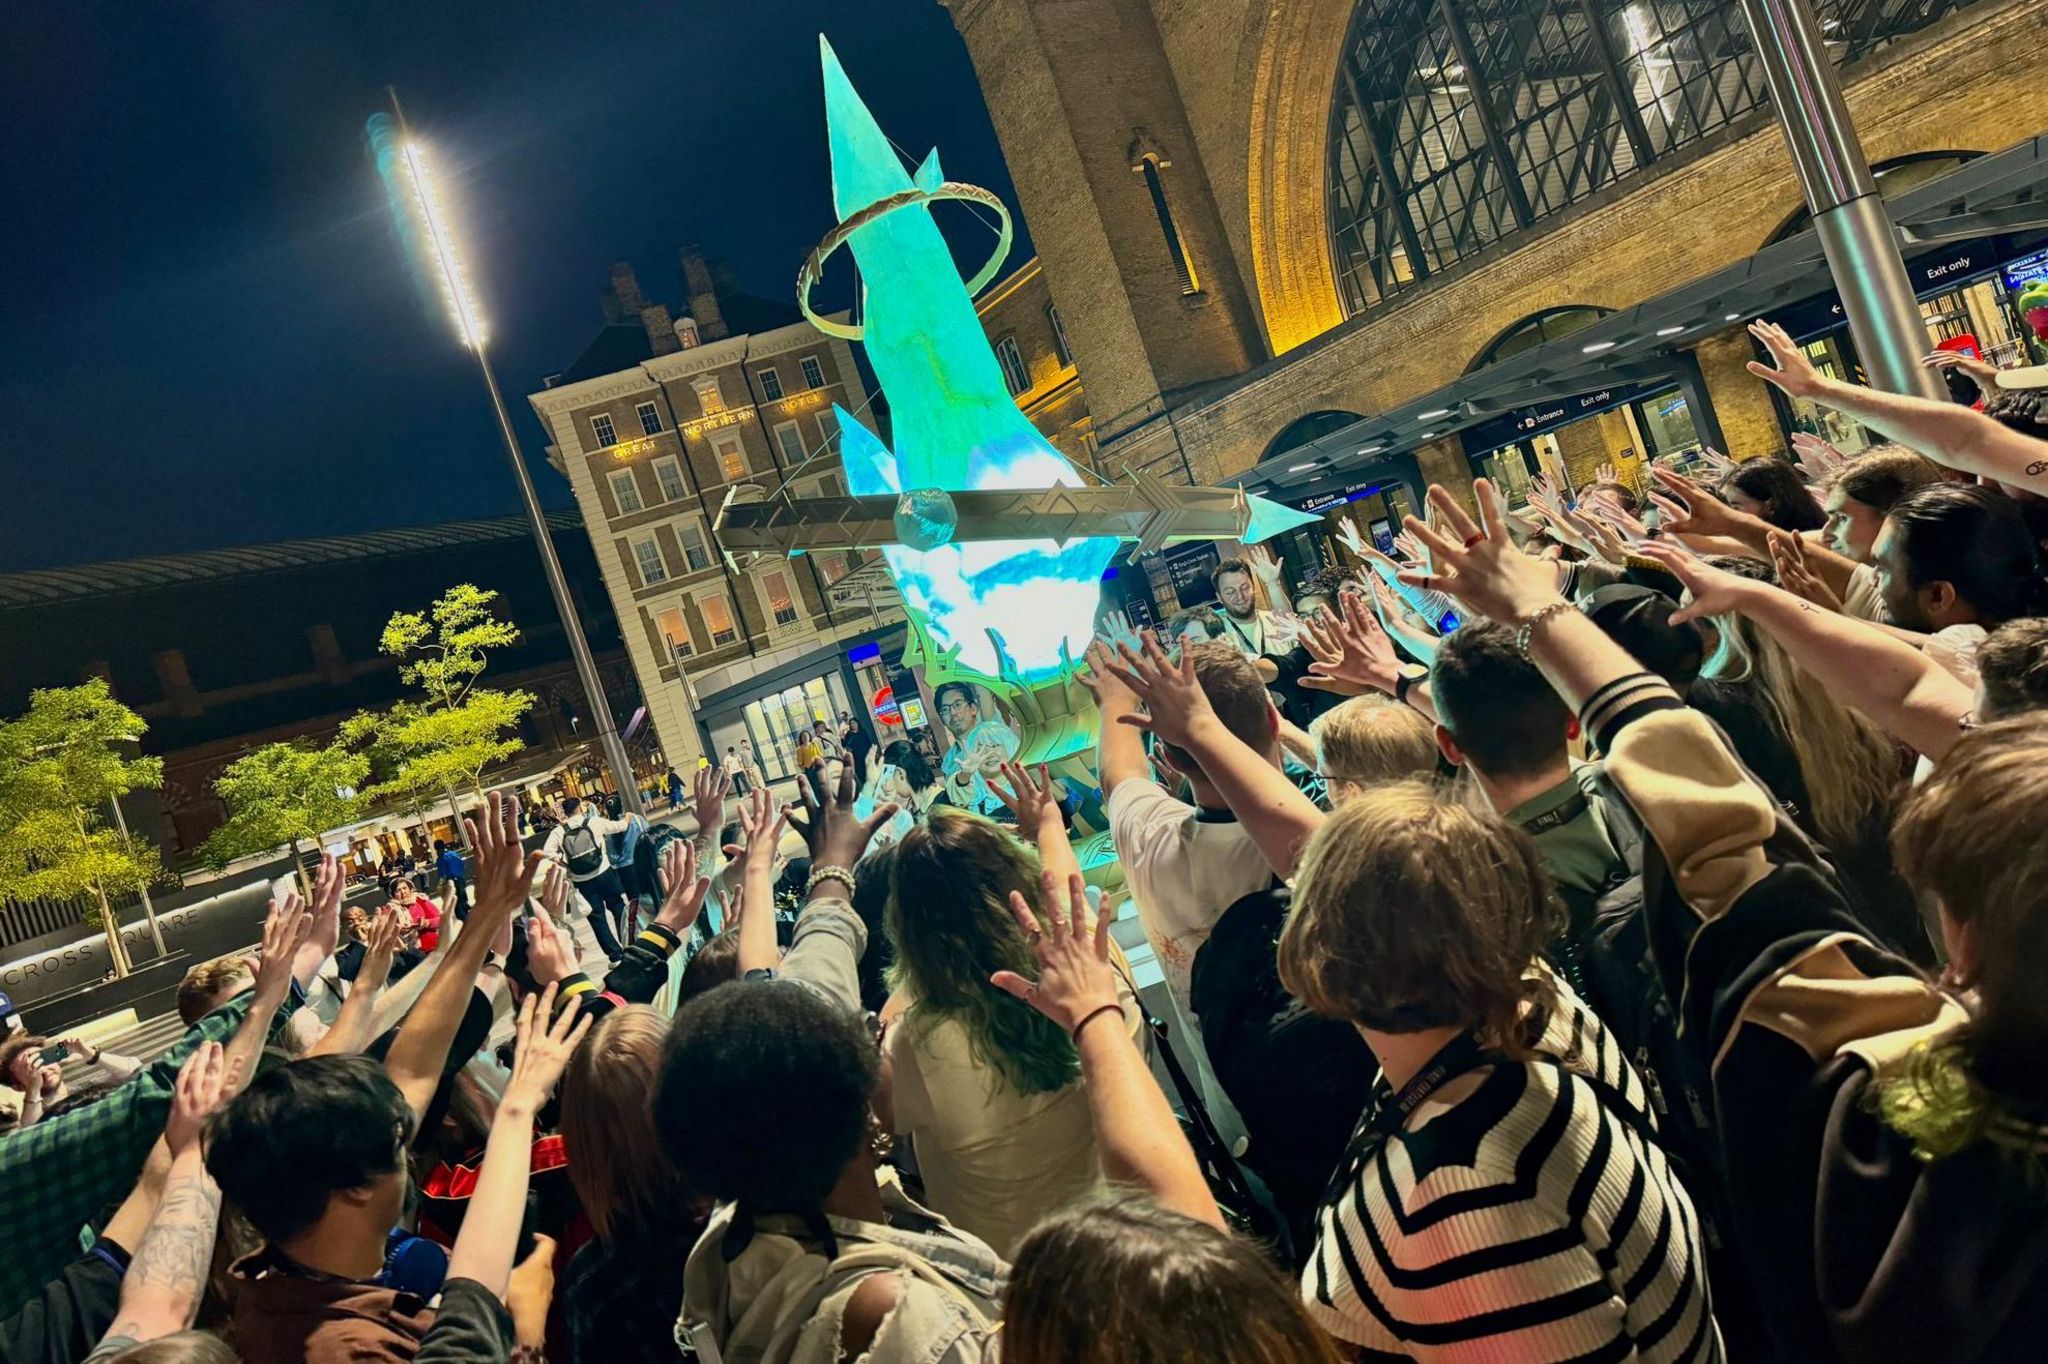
(980, 748)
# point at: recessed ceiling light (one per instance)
(1595, 347)
(1433, 414)
(1303, 468)
(1669, 331)
(1426, 435)
(1732, 317)
(1372, 449)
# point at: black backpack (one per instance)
(586, 858)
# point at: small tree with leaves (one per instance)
(458, 729)
(60, 765)
(283, 795)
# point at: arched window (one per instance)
(1533, 330)
(1895, 176)
(1302, 430)
(1457, 122)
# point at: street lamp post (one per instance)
(1849, 215)
(469, 326)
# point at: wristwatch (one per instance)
(1406, 676)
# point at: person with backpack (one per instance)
(578, 842)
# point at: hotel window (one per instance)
(676, 630)
(789, 438)
(625, 492)
(601, 427)
(781, 605)
(650, 419)
(647, 555)
(710, 397)
(771, 384)
(1012, 361)
(669, 474)
(1060, 347)
(835, 566)
(696, 552)
(732, 455)
(718, 620)
(814, 373)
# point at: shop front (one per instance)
(1968, 294)
(768, 714)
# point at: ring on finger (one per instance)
(1474, 538)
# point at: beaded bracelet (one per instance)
(827, 873)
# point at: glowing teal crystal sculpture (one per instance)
(955, 426)
(926, 518)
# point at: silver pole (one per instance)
(156, 934)
(1849, 215)
(586, 667)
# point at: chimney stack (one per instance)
(661, 330)
(703, 294)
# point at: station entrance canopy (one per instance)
(2001, 194)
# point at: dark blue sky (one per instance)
(211, 338)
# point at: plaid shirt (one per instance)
(63, 1173)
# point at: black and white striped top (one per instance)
(1519, 1214)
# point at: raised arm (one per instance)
(1913, 698)
(1947, 433)
(284, 934)
(1139, 1139)
(1120, 750)
(544, 1041)
(1353, 656)
(761, 827)
(161, 1291)
(503, 877)
(1272, 809)
(1029, 797)
(350, 1031)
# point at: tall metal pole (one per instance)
(579, 647)
(156, 934)
(586, 666)
(1849, 215)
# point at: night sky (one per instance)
(211, 336)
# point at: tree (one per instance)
(282, 795)
(60, 766)
(447, 740)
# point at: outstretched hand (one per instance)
(504, 872)
(1817, 459)
(203, 1085)
(1075, 978)
(549, 956)
(1795, 575)
(1688, 508)
(1175, 703)
(709, 804)
(1109, 691)
(1709, 591)
(835, 835)
(1028, 795)
(685, 888)
(1348, 649)
(543, 1042)
(285, 930)
(380, 949)
(1477, 563)
(1790, 370)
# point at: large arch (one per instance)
(1286, 169)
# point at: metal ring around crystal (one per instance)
(814, 264)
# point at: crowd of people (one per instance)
(1600, 929)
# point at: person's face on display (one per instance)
(1852, 526)
(960, 714)
(1234, 590)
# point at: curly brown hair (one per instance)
(1411, 912)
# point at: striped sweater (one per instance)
(1518, 1214)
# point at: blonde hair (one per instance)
(618, 1165)
(1412, 913)
(206, 987)
(1370, 740)
(1851, 767)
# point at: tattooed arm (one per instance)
(161, 1291)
